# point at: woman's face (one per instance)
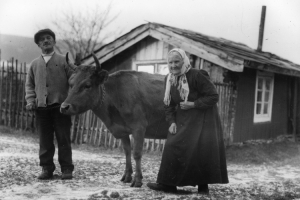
(175, 63)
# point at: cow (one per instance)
(128, 103)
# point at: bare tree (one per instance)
(83, 33)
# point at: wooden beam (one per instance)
(110, 48)
(273, 68)
(221, 54)
(118, 50)
(201, 64)
(197, 63)
(104, 56)
(193, 48)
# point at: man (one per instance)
(46, 88)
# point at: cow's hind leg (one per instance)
(127, 177)
(137, 155)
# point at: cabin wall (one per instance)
(294, 108)
(122, 61)
(148, 49)
(153, 50)
(297, 123)
(215, 72)
(245, 128)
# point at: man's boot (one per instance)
(46, 174)
(67, 174)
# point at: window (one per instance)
(153, 67)
(263, 97)
(146, 68)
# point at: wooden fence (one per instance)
(12, 102)
(226, 106)
(86, 128)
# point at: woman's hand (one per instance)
(173, 128)
(187, 105)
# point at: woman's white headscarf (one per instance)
(183, 86)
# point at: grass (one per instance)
(283, 151)
(20, 134)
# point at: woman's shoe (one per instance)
(162, 187)
(203, 189)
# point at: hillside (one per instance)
(22, 48)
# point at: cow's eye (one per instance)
(87, 86)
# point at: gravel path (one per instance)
(97, 176)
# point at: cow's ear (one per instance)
(100, 76)
(103, 76)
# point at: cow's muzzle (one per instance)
(64, 108)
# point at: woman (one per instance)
(194, 152)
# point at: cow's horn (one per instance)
(98, 66)
(67, 57)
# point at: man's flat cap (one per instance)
(43, 31)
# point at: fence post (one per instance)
(23, 94)
(1, 92)
(91, 128)
(10, 95)
(6, 96)
(100, 132)
(16, 107)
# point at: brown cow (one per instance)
(128, 102)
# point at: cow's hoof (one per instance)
(136, 184)
(126, 178)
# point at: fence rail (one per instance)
(86, 128)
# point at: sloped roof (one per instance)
(225, 53)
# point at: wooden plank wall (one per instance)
(226, 107)
(245, 128)
(151, 49)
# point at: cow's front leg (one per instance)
(127, 177)
(137, 155)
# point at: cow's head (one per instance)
(85, 88)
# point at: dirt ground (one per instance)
(257, 170)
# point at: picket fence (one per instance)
(86, 128)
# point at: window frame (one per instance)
(258, 118)
(155, 63)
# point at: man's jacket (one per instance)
(47, 84)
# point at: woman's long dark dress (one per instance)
(196, 153)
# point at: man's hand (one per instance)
(187, 105)
(31, 107)
(173, 128)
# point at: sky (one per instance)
(236, 20)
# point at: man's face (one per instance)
(46, 43)
(175, 63)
